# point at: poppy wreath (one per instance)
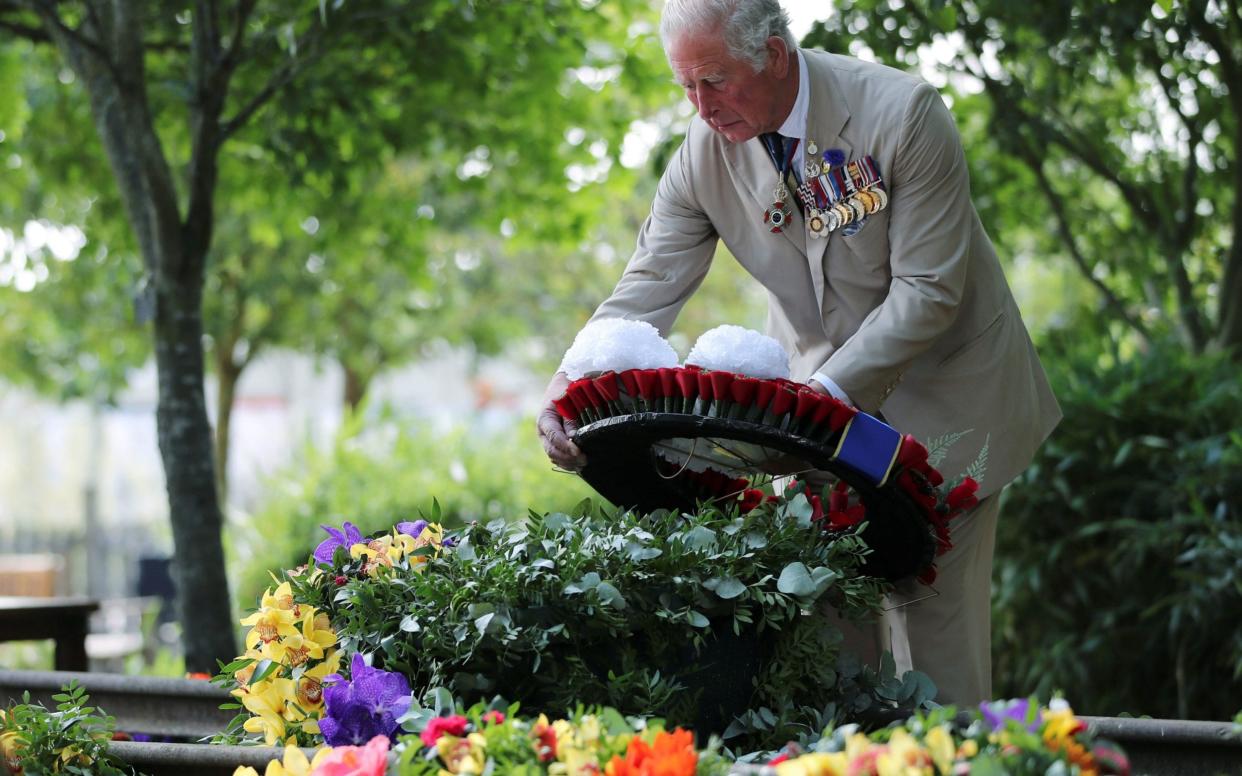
(620, 415)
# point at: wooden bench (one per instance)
(65, 620)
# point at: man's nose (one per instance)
(703, 103)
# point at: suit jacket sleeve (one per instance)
(930, 231)
(674, 252)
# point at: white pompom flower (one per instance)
(615, 345)
(741, 350)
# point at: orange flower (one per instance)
(670, 754)
(1060, 730)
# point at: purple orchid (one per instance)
(998, 713)
(367, 705)
(414, 529)
(347, 537)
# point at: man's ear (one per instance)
(778, 56)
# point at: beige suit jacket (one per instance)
(911, 316)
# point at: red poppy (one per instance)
(751, 498)
(608, 386)
(912, 452)
(688, 383)
(629, 381)
(743, 390)
(962, 497)
(705, 385)
(565, 408)
(782, 401)
(648, 383)
(668, 382)
(721, 382)
(764, 393)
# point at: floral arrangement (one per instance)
(775, 402)
(292, 647)
(699, 618)
(489, 740)
(1008, 738)
(1012, 738)
(623, 369)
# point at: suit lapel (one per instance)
(752, 165)
(827, 116)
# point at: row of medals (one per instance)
(856, 205)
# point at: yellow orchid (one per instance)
(903, 757)
(376, 554)
(293, 763)
(400, 545)
(940, 744)
(282, 598)
(313, 576)
(266, 700)
(577, 746)
(814, 764)
(272, 620)
(9, 752)
(1060, 725)
(71, 756)
(432, 535)
(462, 755)
(309, 689)
(302, 646)
(242, 675)
(857, 745)
(1060, 729)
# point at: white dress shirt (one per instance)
(795, 126)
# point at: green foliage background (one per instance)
(1118, 574)
(379, 473)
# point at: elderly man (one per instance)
(842, 187)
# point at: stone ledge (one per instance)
(158, 706)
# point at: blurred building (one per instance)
(73, 474)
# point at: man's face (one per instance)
(729, 95)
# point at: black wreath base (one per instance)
(624, 468)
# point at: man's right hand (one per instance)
(554, 430)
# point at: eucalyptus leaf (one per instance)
(700, 538)
(796, 580)
(610, 595)
(725, 587)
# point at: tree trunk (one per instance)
(356, 385)
(186, 448)
(227, 375)
(115, 80)
(1229, 335)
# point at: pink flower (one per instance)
(494, 717)
(453, 726)
(369, 760)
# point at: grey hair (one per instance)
(745, 24)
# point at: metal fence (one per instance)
(104, 563)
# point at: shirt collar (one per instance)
(795, 122)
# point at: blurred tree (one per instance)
(1106, 132)
(330, 91)
(66, 322)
